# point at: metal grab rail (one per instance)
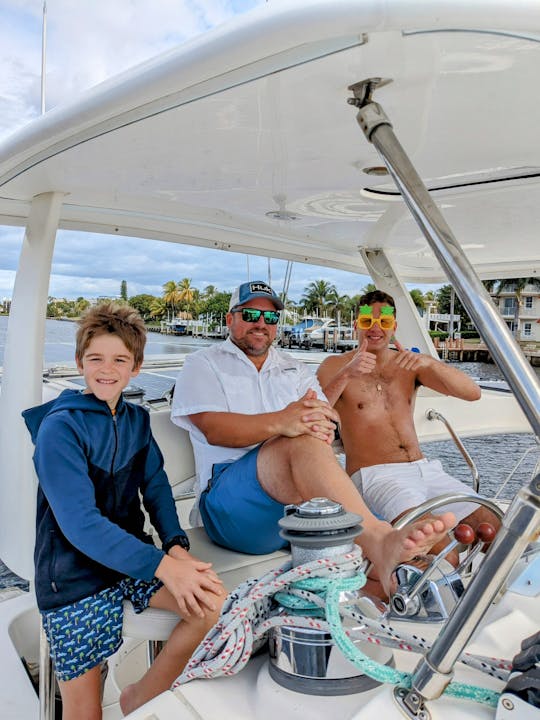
(533, 448)
(435, 415)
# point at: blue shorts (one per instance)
(237, 513)
(85, 633)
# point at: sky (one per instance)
(86, 44)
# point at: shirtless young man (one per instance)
(373, 389)
(262, 435)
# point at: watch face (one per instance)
(183, 542)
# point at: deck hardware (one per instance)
(512, 707)
(307, 660)
(435, 415)
(411, 704)
(432, 594)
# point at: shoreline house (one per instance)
(518, 301)
(443, 322)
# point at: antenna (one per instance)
(43, 55)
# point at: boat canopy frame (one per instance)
(488, 321)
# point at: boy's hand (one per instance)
(192, 582)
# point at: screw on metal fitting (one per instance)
(411, 704)
(507, 704)
(363, 90)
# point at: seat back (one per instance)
(175, 445)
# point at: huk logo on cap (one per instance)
(260, 287)
(250, 290)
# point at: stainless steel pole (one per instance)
(519, 526)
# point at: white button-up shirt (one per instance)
(221, 378)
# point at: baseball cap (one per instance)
(257, 289)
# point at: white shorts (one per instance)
(388, 490)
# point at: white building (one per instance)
(440, 321)
(520, 307)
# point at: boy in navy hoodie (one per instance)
(94, 454)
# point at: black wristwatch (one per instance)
(181, 540)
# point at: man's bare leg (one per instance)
(293, 470)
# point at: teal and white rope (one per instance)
(311, 593)
(383, 673)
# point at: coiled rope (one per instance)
(311, 595)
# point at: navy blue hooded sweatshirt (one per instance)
(91, 466)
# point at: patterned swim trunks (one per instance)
(84, 634)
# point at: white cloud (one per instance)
(88, 43)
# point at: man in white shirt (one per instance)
(262, 433)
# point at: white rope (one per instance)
(249, 613)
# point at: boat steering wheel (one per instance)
(421, 597)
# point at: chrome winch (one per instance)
(306, 659)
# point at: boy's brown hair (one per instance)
(377, 296)
(110, 317)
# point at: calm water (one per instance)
(60, 343)
(495, 457)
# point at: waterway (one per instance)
(495, 456)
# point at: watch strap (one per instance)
(181, 540)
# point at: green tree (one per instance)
(171, 296)
(443, 296)
(216, 306)
(79, 306)
(52, 308)
(186, 293)
(143, 304)
(123, 290)
(337, 303)
(316, 296)
(417, 296)
(490, 284)
(209, 290)
(158, 308)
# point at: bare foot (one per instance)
(388, 547)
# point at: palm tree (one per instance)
(370, 287)
(417, 296)
(338, 303)
(316, 295)
(185, 292)
(158, 308)
(171, 295)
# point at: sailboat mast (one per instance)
(43, 55)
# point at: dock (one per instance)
(460, 351)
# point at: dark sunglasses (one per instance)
(252, 315)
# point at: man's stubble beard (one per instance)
(249, 350)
